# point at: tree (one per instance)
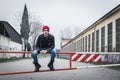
(25, 28)
(76, 31)
(36, 29)
(28, 47)
(66, 33)
(35, 26)
(70, 33)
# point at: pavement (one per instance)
(77, 74)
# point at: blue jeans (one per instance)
(36, 52)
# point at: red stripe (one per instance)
(99, 60)
(93, 58)
(86, 56)
(77, 57)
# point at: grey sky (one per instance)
(59, 14)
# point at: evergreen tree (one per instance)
(25, 28)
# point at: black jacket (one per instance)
(43, 42)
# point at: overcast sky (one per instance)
(58, 14)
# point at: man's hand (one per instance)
(43, 51)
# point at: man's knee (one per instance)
(34, 53)
(53, 52)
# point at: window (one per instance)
(118, 35)
(70, 47)
(85, 43)
(110, 37)
(77, 45)
(74, 44)
(103, 39)
(93, 40)
(81, 45)
(97, 41)
(89, 43)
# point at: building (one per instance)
(64, 41)
(101, 36)
(9, 37)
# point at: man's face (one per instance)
(45, 32)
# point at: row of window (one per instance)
(89, 43)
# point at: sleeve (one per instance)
(38, 44)
(52, 44)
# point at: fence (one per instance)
(113, 57)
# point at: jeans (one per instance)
(36, 52)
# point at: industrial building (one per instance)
(102, 36)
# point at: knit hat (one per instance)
(45, 27)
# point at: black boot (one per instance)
(37, 66)
(50, 65)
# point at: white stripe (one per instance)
(100, 56)
(81, 57)
(91, 56)
(74, 56)
(97, 58)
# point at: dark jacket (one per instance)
(43, 42)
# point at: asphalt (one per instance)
(77, 74)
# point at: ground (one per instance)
(77, 74)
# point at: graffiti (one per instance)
(111, 58)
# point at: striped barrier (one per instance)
(112, 57)
(87, 57)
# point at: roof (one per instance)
(66, 38)
(7, 30)
(117, 8)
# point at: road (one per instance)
(77, 74)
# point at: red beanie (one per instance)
(45, 27)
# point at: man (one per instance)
(45, 44)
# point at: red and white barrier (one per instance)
(87, 57)
(93, 56)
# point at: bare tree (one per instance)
(35, 25)
(36, 29)
(66, 33)
(77, 30)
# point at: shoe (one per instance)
(50, 65)
(37, 66)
